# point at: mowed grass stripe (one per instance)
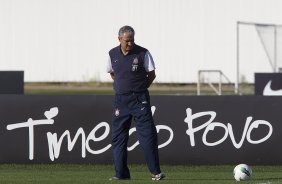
(98, 174)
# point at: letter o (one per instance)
(211, 127)
(170, 137)
(256, 124)
(135, 144)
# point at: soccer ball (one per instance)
(242, 172)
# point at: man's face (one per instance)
(126, 42)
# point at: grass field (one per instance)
(86, 88)
(98, 174)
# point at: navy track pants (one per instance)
(134, 106)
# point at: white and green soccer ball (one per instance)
(242, 172)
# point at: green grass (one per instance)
(86, 88)
(98, 174)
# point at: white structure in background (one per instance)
(205, 76)
(270, 36)
(69, 40)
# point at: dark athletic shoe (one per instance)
(158, 176)
(117, 178)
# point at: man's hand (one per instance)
(151, 77)
(112, 75)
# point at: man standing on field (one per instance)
(133, 70)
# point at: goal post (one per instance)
(218, 78)
(270, 36)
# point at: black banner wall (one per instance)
(268, 84)
(11, 82)
(192, 130)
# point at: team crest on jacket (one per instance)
(117, 112)
(135, 64)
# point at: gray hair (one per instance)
(126, 29)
